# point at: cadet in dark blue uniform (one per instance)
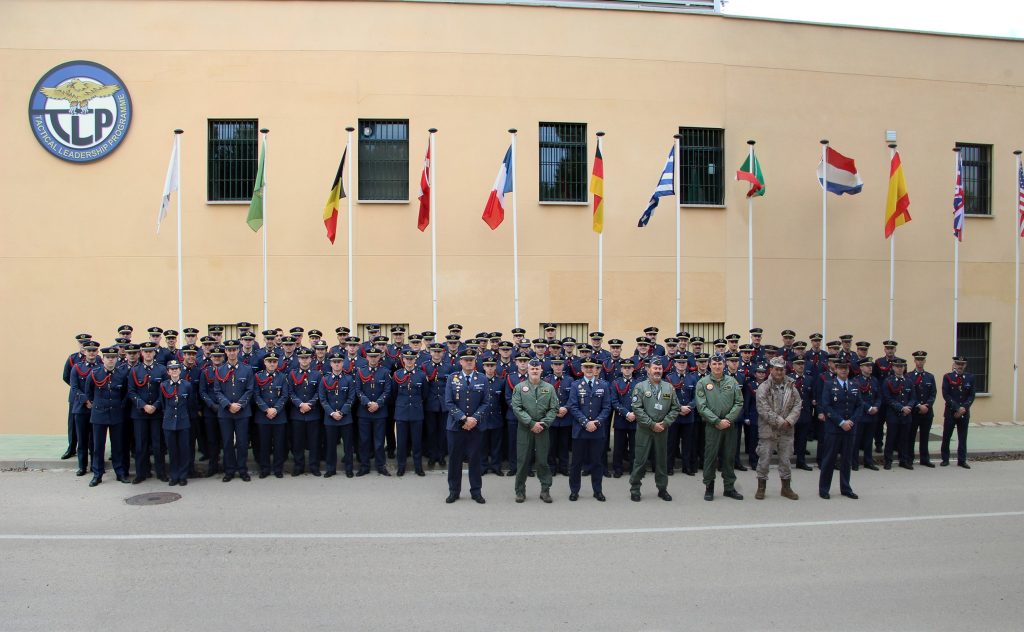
(686, 420)
(958, 393)
(590, 405)
(750, 416)
(233, 392)
(802, 381)
(871, 397)
(466, 399)
(305, 415)
(923, 413)
(80, 404)
(493, 423)
(270, 394)
(842, 406)
(211, 408)
(900, 399)
(69, 364)
(144, 391)
(882, 370)
(434, 414)
(175, 400)
(106, 391)
(337, 393)
(561, 428)
(625, 418)
(410, 389)
(373, 386)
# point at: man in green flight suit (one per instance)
(719, 404)
(535, 405)
(656, 407)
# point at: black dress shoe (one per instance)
(163, 478)
(80, 472)
(709, 492)
(804, 467)
(67, 455)
(211, 471)
(183, 482)
(690, 472)
(520, 498)
(138, 479)
(855, 468)
(927, 464)
(95, 481)
(123, 479)
(442, 462)
(574, 496)
(664, 495)
(944, 463)
(851, 495)
(511, 472)
(599, 497)
(824, 495)
(420, 472)
(906, 466)
(616, 474)
(671, 472)
(479, 499)
(296, 472)
(263, 475)
(383, 472)
(174, 483)
(534, 473)
(245, 477)
(634, 496)
(328, 474)
(315, 472)
(964, 465)
(452, 497)
(400, 472)
(227, 478)
(887, 466)
(740, 468)
(278, 474)
(499, 473)
(363, 472)
(871, 466)
(349, 474)
(732, 493)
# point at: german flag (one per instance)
(336, 195)
(597, 188)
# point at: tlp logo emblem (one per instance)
(80, 111)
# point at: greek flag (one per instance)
(665, 187)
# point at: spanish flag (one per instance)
(336, 195)
(597, 188)
(897, 203)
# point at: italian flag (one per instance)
(750, 171)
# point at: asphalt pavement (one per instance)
(923, 550)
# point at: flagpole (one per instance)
(177, 168)
(266, 321)
(348, 150)
(956, 260)
(824, 237)
(679, 211)
(600, 253)
(892, 260)
(433, 224)
(750, 242)
(1016, 282)
(515, 233)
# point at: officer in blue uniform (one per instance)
(466, 399)
(80, 405)
(106, 391)
(233, 392)
(899, 398)
(686, 420)
(373, 388)
(871, 397)
(676, 376)
(69, 364)
(590, 405)
(958, 393)
(750, 416)
(882, 370)
(305, 415)
(842, 407)
(493, 423)
(144, 392)
(561, 427)
(434, 413)
(211, 408)
(410, 389)
(802, 381)
(175, 401)
(925, 390)
(625, 419)
(337, 393)
(270, 393)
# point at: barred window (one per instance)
(385, 330)
(383, 160)
(972, 343)
(579, 331)
(701, 170)
(709, 331)
(563, 162)
(230, 329)
(231, 155)
(977, 178)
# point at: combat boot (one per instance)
(787, 491)
(761, 484)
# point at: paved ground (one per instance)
(923, 550)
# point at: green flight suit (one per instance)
(652, 403)
(533, 404)
(719, 399)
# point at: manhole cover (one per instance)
(153, 498)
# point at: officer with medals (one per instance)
(719, 402)
(271, 393)
(410, 389)
(923, 414)
(80, 405)
(233, 394)
(144, 392)
(590, 400)
(656, 407)
(842, 407)
(899, 398)
(373, 388)
(337, 394)
(176, 395)
(106, 390)
(466, 399)
(534, 404)
(958, 393)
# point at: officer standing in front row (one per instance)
(719, 403)
(590, 406)
(841, 404)
(466, 399)
(958, 393)
(176, 402)
(535, 404)
(106, 390)
(656, 407)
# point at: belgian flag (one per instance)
(336, 195)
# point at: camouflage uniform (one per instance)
(778, 409)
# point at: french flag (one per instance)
(494, 212)
(838, 173)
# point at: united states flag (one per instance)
(958, 201)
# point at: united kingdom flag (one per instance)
(958, 201)
(1020, 199)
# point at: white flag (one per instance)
(170, 185)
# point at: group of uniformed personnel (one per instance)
(516, 407)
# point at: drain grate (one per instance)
(153, 498)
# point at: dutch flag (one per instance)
(838, 174)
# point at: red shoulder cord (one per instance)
(136, 379)
(171, 394)
(364, 378)
(430, 376)
(328, 385)
(262, 383)
(101, 383)
(299, 381)
(78, 369)
(401, 381)
(226, 377)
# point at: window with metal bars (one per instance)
(231, 159)
(230, 330)
(977, 178)
(709, 331)
(972, 343)
(579, 331)
(563, 162)
(383, 160)
(385, 330)
(701, 170)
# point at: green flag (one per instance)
(753, 175)
(255, 218)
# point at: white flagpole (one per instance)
(824, 238)
(750, 242)
(600, 252)
(515, 232)
(678, 190)
(348, 194)
(956, 259)
(1016, 281)
(266, 321)
(892, 261)
(177, 167)
(433, 223)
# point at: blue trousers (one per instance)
(589, 450)
(409, 432)
(511, 427)
(433, 430)
(333, 432)
(558, 457)
(149, 440)
(836, 446)
(463, 443)
(493, 441)
(178, 445)
(306, 439)
(83, 432)
(272, 438)
(234, 435)
(371, 430)
(949, 424)
(99, 447)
